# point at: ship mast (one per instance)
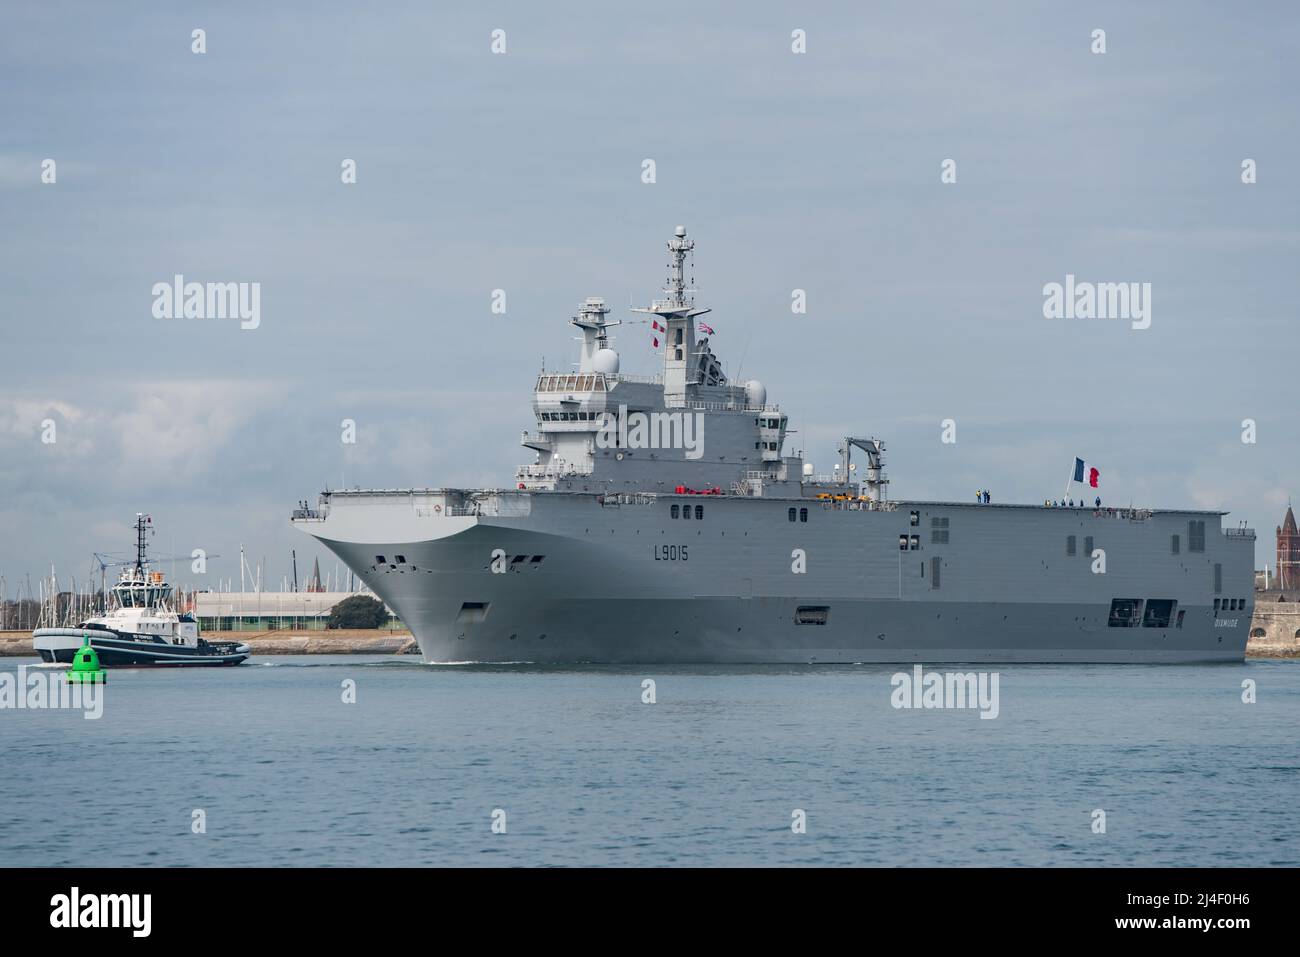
(593, 320)
(678, 312)
(140, 520)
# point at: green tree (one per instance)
(358, 611)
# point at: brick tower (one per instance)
(1288, 553)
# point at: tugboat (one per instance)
(141, 626)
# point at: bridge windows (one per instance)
(571, 383)
(803, 514)
(568, 416)
(699, 513)
(791, 514)
(673, 512)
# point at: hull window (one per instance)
(472, 612)
(812, 615)
(1159, 613)
(1125, 613)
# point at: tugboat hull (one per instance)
(118, 650)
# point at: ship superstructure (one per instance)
(664, 519)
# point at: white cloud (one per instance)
(133, 437)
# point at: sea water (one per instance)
(352, 760)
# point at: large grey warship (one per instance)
(663, 521)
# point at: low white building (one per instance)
(269, 610)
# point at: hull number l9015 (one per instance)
(671, 553)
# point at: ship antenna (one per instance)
(139, 541)
(678, 247)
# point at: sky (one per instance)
(522, 171)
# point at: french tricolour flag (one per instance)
(1086, 473)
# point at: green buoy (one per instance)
(85, 665)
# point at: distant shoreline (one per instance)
(362, 641)
(18, 644)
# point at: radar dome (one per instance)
(605, 361)
(755, 394)
(807, 468)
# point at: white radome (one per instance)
(755, 393)
(605, 361)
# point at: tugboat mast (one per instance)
(140, 521)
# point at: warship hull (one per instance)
(554, 577)
(664, 520)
